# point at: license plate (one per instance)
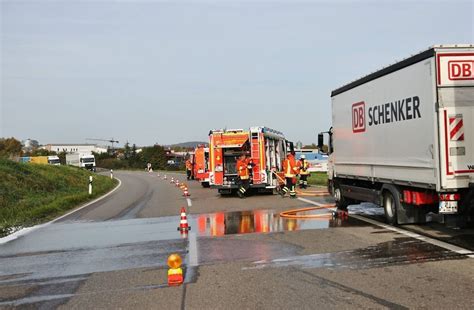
(448, 207)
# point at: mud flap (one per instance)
(409, 214)
(455, 221)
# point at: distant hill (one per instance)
(190, 144)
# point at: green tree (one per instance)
(156, 155)
(62, 157)
(310, 146)
(42, 152)
(127, 151)
(9, 147)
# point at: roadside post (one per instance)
(111, 173)
(90, 185)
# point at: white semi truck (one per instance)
(86, 161)
(403, 138)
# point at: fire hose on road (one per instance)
(293, 214)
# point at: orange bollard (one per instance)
(175, 273)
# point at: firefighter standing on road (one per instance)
(189, 169)
(243, 167)
(303, 166)
(290, 170)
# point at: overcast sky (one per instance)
(165, 72)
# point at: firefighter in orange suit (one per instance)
(189, 169)
(290, 169)
(303, 166)
(243, 167)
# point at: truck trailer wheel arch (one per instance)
(390, 203)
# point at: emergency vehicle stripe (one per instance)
(456, 130)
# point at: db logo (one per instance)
(358, 117)
(461, 70)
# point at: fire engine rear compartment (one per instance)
(264, 146)
(231, 155)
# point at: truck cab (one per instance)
(54, 160)
(87, 162)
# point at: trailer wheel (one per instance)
(390, 205)
(205, 184)
(341, 201)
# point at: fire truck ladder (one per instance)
(255, 153)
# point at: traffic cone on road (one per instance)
(175, 273)
(165, 177)
(172, 180)
(183, 224)
(185, 192)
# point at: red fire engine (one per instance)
(201, 165)
(267, 148)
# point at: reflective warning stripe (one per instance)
(456, 129)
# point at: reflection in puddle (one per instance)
(260, 221)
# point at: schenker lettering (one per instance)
(395, 111)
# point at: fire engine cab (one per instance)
(267, 148)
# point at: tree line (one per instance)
(127, 157)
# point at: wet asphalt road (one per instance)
(239, 254)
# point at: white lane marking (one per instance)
(190, 204)
(441, 244)
(193, 251)
(28, 230)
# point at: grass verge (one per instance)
(32, 193)
(318, 178)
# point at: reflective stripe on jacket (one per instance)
(304, 166)
(289, 168)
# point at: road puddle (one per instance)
(397, 252)
(261, 221)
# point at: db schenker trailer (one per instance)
(403, 138)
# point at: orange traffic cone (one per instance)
(175, 273)
(186, 193)
(177, 183)
(183, 224)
